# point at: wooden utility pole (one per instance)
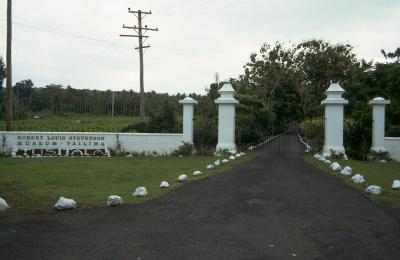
(9, 68)
(112, 105)
(140, 30)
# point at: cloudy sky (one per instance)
(77, 43)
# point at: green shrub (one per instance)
(378, 156)
(186, 149)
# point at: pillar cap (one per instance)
(188, 100)
(379, 101)
(334, 88)
(226, 93)
(226, 88)
(334, 95)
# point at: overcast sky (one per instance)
(77, 43)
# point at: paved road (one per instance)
(273, 207)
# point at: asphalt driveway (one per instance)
(275, 206)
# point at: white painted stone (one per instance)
(3, 205)
(334, 104)
(140, 192)
(347, 171)
(383, 161)
(226, 118)
(225, 161)
(317, 156)
(114, 200)
(336, 166)
(378, 126)
(197, 173)
(358, 178)
(237, 155)
(188, 111)
(183, 178)
(327, 161)
(217, 163)
(232, 157)
(64, 203)
(164, 184)
(211, 166)
(129, 155)
(242, 154)
(396, 184)
(373, 189)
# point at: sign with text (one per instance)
(54, 141)
(70, 143)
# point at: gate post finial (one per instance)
(226, 118)
(334, 104)
(378, 126)
(188, 112)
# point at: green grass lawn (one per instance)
(74, 123)
(36, 184)
(375, 173)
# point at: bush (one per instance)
(139, 127)
(186, 149)
(378, 156)
(163, 121)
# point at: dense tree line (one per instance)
(58, 100)
(280, 83)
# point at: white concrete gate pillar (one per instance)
(378, 126)
(226, 118)
(334, 104)
(188, 112)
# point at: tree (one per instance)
(22, 92)
(2, 72)
(392, 55)
(165, 120)
(292, 78)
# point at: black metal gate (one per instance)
(294, 139)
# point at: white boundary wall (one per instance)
(72, 141)
(392, 145)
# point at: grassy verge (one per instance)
(36, 184)
(381, 174)
(74, 123)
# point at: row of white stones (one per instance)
(357, 178)
(115, 200)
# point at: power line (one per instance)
(76, 36)
(139, 29)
